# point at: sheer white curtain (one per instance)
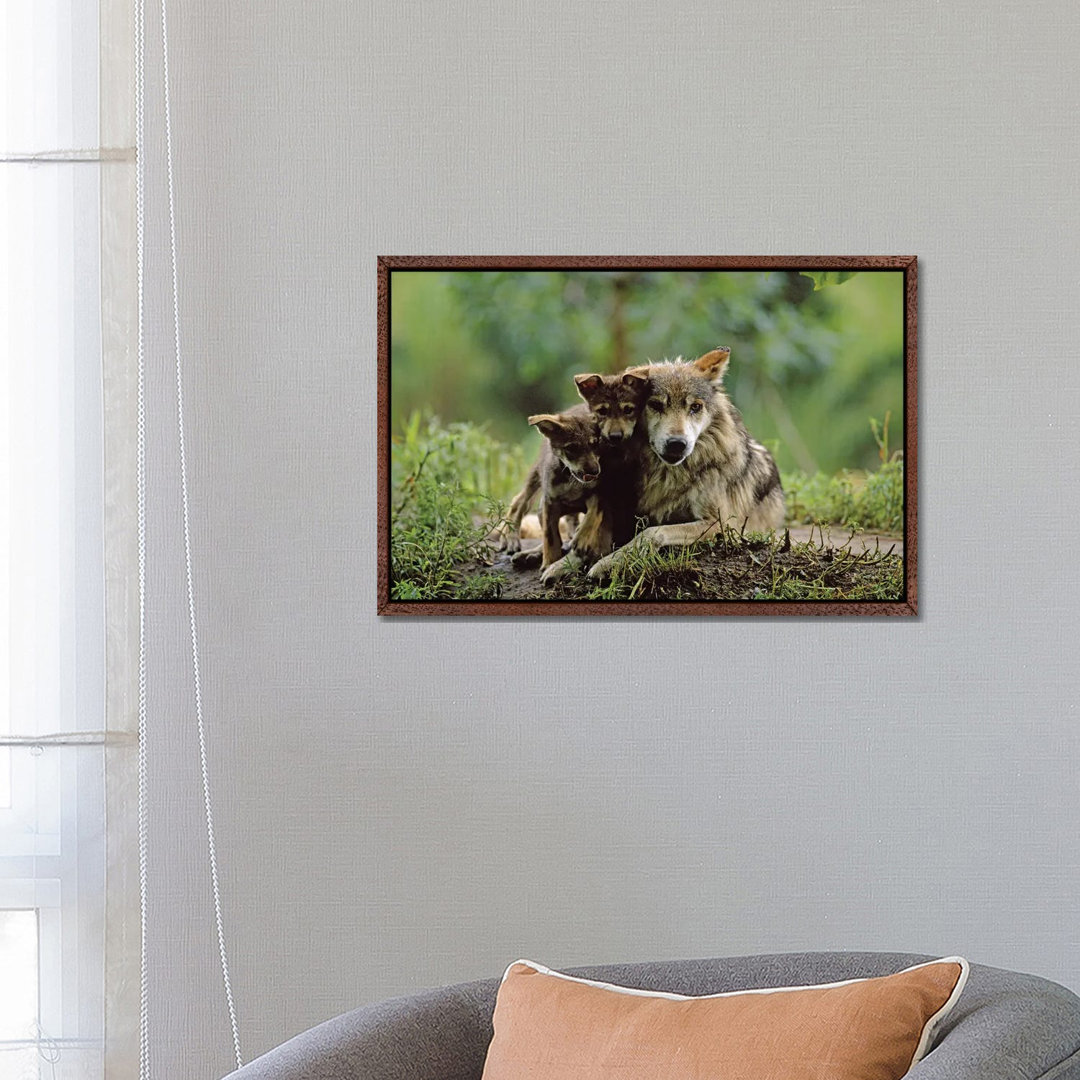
(60, 245)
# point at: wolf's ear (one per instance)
(587, 386)
(548, 425)
(635, 380)
(713, 364)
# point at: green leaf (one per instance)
(821, 278)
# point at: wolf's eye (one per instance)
(602, 410)
(656, 406)
(695, 406)
(628, 410)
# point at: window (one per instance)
(52, 578)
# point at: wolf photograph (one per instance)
(617, 436)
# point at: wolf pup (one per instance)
(615, 404)
(615, 401)
(565, 474)
(699, 468)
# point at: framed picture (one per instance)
(647, 436)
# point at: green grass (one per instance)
(643, 567)
(871, 501)
(450, 485)
(448, 489)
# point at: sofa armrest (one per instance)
(1007, 1026)
(441, 1034)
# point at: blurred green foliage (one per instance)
(814, 356)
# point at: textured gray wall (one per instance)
(408, 803)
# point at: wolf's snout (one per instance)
(615, 436)
(675, 449)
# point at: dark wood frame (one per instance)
(906, 606)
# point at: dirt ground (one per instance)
(831, 557)
(836, 536)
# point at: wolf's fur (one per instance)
(698, 468)
(565, 474)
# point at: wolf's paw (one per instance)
(603, 568)
(611, 564)
(504, 537)
(527, 560)
(567, 565)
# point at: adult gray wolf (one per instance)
(699, 470)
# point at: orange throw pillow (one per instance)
(550, 1026)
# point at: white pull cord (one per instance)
(140, 453)
(140, 93)
(210, 845)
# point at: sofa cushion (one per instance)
(552, 1026)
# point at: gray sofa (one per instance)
(1005, 1026)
